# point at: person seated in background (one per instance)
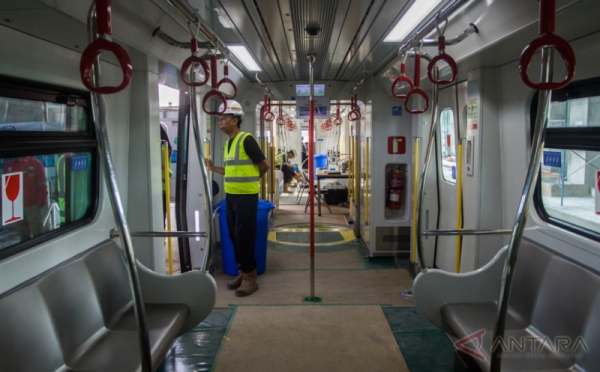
(289, 174)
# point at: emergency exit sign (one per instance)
(397, 145)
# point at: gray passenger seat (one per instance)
(551, 298)
(79, 315)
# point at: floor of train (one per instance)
(362, 323)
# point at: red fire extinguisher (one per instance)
(395, 188)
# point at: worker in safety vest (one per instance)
(244, 165)
(35, 195)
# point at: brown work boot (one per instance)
(248, 286)
(235, 283)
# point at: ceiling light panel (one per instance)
(244, 56)
(411, 19)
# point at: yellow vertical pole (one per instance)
(166, 174)
(272, 170)
(367, 185)
(415, 187)
(458, 205)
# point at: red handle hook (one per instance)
(267, 114)
(93, 51)
(442, 56)
(402, 78)
(189, 62)
(354, 114)
(214, 92)
(548, 39)
(338, 120)
(280, 120)
(226, 80)
(417, 90)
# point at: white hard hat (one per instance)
(233, 108)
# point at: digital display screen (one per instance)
(303, 90)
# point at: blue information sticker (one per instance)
(79, 162)
(552, 158)
(396, 110)
(453, 172)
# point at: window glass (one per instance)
(43, 193)
(570, 186)
(27, 115)
(447, 144)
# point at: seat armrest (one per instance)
(433, 288)
(196, 289)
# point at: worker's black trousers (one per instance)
(241, 223)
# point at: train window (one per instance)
(448, 152)
(28, 115)
(568, 193)
(48, 169)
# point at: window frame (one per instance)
(32, 143)
(574, 138)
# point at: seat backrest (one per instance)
(28, 341)
(566, 298)
(106, 266)
(532, 262)
(45, 322)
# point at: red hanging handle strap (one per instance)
(183, 73)
(417, 88)
(226, 80)
(338, 119)
(442, 56)
(548, 39)
(280, 120)
(355, 113)
(94, 49)
(214, 92)
(267, 115)
(399, 80)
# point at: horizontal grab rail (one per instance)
(163, 234)
(466, 232)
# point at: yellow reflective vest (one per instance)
(241, 175)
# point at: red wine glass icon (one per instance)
(13, 186)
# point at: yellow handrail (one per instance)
(415, 187)
(166, 175)
(458, 205)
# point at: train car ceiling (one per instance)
(349, 43)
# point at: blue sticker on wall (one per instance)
(80, 162)
(552, 158)
(453, 172)
(396, 110)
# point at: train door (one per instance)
(447, 174)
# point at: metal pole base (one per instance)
(312, 299)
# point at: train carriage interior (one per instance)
(430, 198)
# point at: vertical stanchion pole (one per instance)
(537, 149)
(459, 205)
(311, 176)
(424, 171)
(99, 118)
(415, 196)
(367, 175)
(201, 160)
(166, 177)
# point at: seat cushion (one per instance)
(117, 349)
(522, 353)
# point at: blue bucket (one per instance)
(260, 246)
